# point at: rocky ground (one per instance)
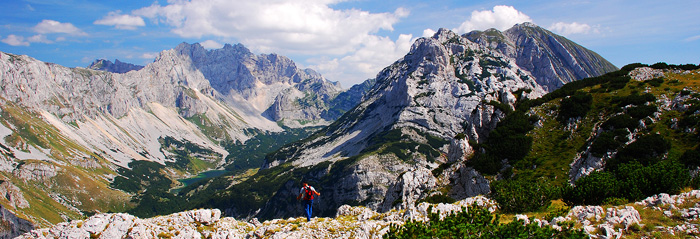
(661, 215)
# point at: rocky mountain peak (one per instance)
(116, 67)
(552, 59)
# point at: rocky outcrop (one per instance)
(36, 171)
(12, 226)
(116, 67)
(362, 222)
(467, 182)
(410, 187)
(13, 195)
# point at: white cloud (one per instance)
(211, 44)
(14, 40)
(39, 38)
(148, 55)
(364, 63)
(571, 28)
(693, 38)
(51, 26)
(501, 18)
(288, 27)
(428, 32)
(120, 21)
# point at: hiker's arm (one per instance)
(317, 193)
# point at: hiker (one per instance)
(307, 193)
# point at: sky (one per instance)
(347, 41)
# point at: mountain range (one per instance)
(69, 132)
(418, 119)
(78, 141)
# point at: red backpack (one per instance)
(308, 193)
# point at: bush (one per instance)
(642, 111)
(576, 105)
(634, 99)
(438, 198)
(645, 150)
(621, 122)
(475, 222)
(521, 195)
(593, 189)
(604, 143)
(691, 158)
(663, 177)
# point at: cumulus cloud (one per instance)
(311, 28)
(571, 28)
(51, 26)
(428, 32)
(211, 44)
(39, 38)
(14, 40)
(121, 21)
(366, 62)
(501, 18)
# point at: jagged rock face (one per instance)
(269, 83)
(12, 225)
(553, 60)
(116, 67)
(434, 89)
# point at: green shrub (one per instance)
(522, 195)
(438, 198)
(634, 99)
(642, 111)
(604, 143)
(620, 122)
(645, 150)
(593, 189)
(691, 158)
(641, 181)
(576, 105)
(475, 222)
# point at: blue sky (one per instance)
(347, 41)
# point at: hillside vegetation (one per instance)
(628, 139)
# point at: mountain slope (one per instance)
(66, 128)
(391, 150)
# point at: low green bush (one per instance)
(475, 222)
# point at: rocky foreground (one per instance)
(679, 213)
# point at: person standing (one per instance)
(307, 193)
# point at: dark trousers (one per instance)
(307, 208)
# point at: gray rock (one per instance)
(116, 67)
(13, 194)
(13, 226)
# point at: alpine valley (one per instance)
(526, 117)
